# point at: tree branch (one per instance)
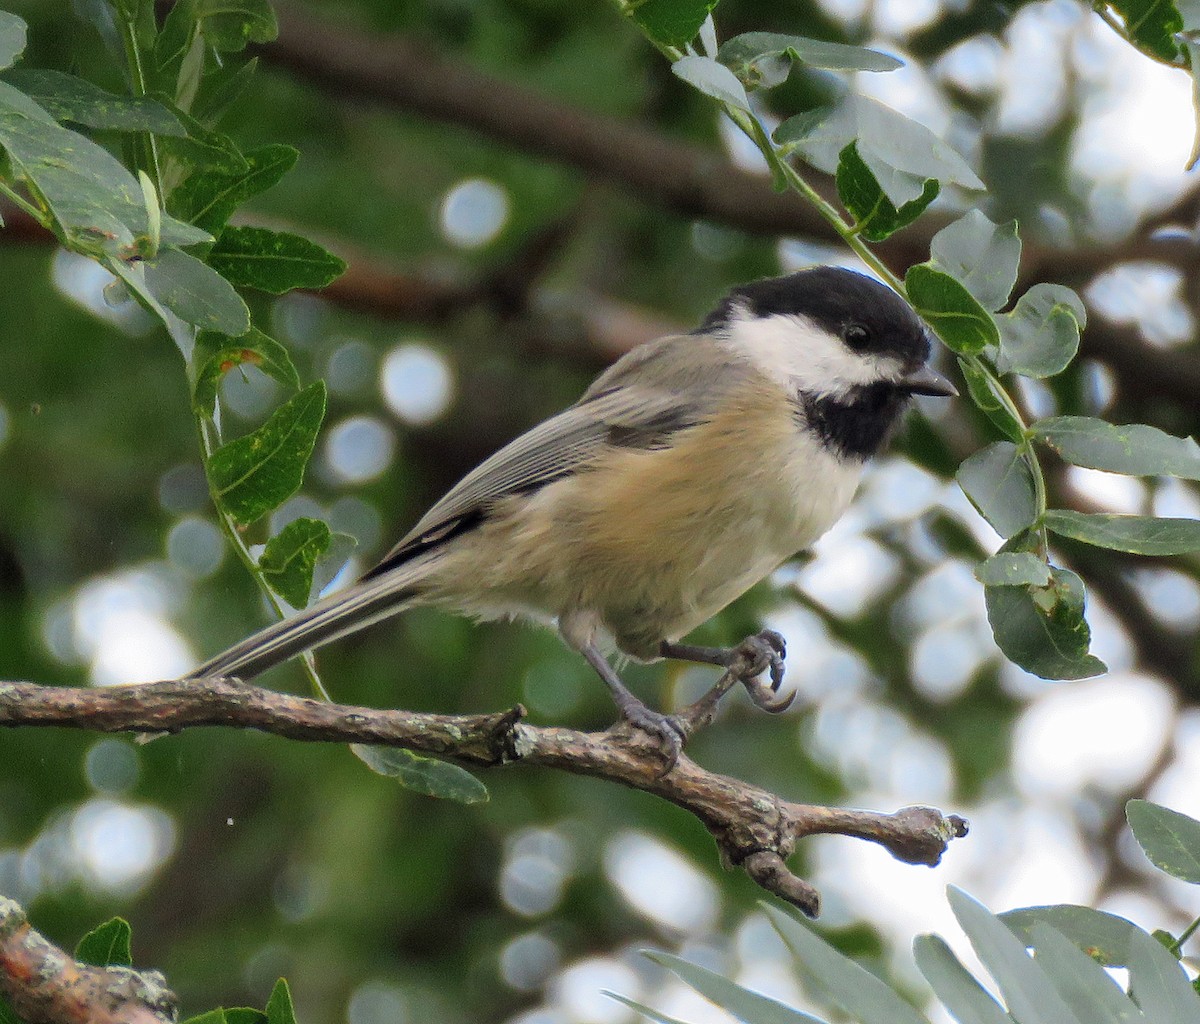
(46, 986)
(753, 829)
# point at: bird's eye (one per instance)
(857, 337)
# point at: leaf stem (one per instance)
(206, 429)
(1188, 932)
(17, 199)
(137, 77)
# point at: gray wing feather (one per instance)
(653, 391)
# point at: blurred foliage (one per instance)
(291, 858)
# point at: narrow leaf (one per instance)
(288, 560)
(1083, 983)
(273, 261)
(209, 197)
(671, 22)
(646, 1011)
(107, 945)
(980, 255)
(69, 98)
(984, 395)
(1031, 998)
(763, 59)
(279, 1006)
(997, 481)
(966, 999)
(1043, 629)
(741, 1002)
(952, 311)
(1159, 984)
(1133, 448)
(874, 214)
(1040, 337)
(1102, 936)
(1139, 535)
(853, 988)
(258, 472)
(425, 775)
(712, 79)
(1013, 569)
(196, 293)
(216, 354)
(12, 39)
(1171, 840)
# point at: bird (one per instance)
(688, 471)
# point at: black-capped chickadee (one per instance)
(688, 471)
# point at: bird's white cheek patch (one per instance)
(798, 354)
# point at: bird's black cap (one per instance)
(836, 300)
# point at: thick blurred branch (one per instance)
(46, 986)
(753, 828)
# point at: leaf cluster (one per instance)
(1048, 963)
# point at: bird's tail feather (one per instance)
(335, 616)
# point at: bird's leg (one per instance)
(747, 661)
(665, 728)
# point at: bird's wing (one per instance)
(657, 389)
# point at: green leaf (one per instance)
(952, 311)
(341, 547)
(425, 775)
(273, 261)
(854, 989)
(764, 59)
(874, 214)
(259, 472)
(671, 22)
(741, 1002)
(984, 395)
(1159, 984)
(211, 1017)
(997, 481)
(1139, 535)
(196, 293)
(1084, 984)
(1030, 996)
(68, 98)
(208, 198)
(220, 89)
(228, 25)
(1133, 448)
(712, 79)
(1192, 49)
(1151, 25)
(967, 1000)
(216, 354)
(288, 560)
(1040, 337)
(107, 945)
(12, 39)
(279, 1006)
(1042, 629)
(1171, 840)
(1102, 936)
(642, 1008)
(902, 153)
(245, 1015)
(7, 1014)
(1013, 569)
(202, 147)
(983, 257)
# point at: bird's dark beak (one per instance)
(925, 380)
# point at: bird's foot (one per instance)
(762, 652)
(669, 732)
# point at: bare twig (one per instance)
(46, 986)
(753, 828)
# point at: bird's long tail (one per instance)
(335, 616)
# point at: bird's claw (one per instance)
(667, 730)
(760, 653)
